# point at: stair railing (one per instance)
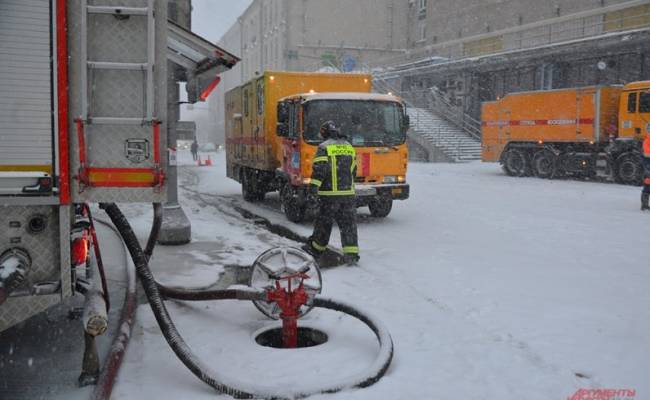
(441, 105)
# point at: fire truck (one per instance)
(84, 116)
(272, 125)
(585, 132)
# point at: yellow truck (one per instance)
(584, 132)
(272, 125)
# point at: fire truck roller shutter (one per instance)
(26, 123)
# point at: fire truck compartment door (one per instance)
(26, 123)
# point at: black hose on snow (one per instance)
(154, 293)
(155, 230)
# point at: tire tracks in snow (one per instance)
(229, 207)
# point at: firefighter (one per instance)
(332, 180)
(645, 193)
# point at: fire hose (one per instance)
(156, 294)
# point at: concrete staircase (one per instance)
(454, 143)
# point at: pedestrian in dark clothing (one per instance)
(194, 148)
(332, 180)
(645, 193)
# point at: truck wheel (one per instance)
(629, 169)
(249, 189)
(291, 206)
(544, 164)
(515, 163)
(380, 207)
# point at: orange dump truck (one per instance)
(585, 132)
(272, 125)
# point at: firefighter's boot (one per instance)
(351, 259)
(309, 248)
(644, 201)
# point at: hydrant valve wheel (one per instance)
(280, 262)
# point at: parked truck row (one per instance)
(586, 132)
(272, 125)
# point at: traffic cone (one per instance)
(208, 162)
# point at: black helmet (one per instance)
(329, 130)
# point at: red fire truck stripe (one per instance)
(539, 122)
(62, 94)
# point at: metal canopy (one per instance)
(201, 60)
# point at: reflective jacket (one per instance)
(646, 146)
(334, 168)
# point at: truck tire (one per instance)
(628, 169)
(380, 207)
(293, 209)
(516, 163)
(249, 187)
(544, 164)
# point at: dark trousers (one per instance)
(341, 209)
(646, 175)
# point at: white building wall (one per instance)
(305, 35)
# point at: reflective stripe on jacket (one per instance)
(334, 168)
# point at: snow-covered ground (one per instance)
(492, 288)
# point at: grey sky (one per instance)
(212, 18)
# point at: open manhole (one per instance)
(307, 337)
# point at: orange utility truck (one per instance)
(272, 125)
(584, 132)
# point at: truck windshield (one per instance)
(363, 122)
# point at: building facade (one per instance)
(473, 51)
(310, 35)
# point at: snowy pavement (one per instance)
(492, 288)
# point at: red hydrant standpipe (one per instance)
(289, 302)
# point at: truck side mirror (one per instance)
(283, 113)
(406, 122)
(282, 129)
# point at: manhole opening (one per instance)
(307, 337)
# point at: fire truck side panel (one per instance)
(564, 115)
(234, 132)
(31, 224)
(121, 154)
(26, 107)
(43, 233)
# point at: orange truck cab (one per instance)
(274, 150)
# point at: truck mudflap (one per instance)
(399, 191)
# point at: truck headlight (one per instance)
(401, 179)
(390, 179)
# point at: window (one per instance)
(546, 73)
(631, 102)
(365, 123)
(293, 121)
(260, 97)
(422, 5)
(644, 102)
(422, 32)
